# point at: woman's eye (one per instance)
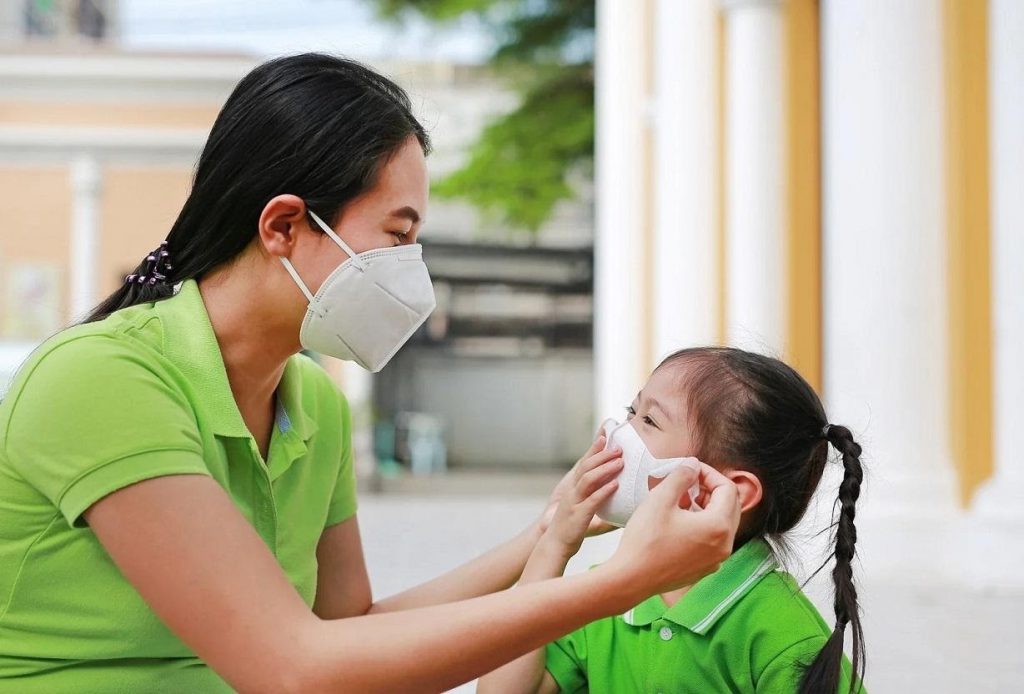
(648, 420)
(630, 412)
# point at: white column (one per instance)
(1003, 496)
(619, 242)
(755, 174)
(685, 176)
(86, 185)
(885, 274)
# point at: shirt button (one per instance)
(665, 634)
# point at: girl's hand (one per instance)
(566, 484)
(665, 546)
(593, 480)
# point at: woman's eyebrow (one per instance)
(406, 213)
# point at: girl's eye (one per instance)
(630, 411)
(648, 420)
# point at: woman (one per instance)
(177, 508)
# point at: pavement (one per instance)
(920, 637)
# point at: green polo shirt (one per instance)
(101, 406)
(745, 628)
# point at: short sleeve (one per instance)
(566, 661)
(785, 671)
(96, 414)
(343, 500)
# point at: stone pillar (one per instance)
(755, 138)
(86, 187)
(620, 324)
(885, 303)
(686, 173)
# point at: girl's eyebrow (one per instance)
(655, 403)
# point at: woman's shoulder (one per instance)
(88, 363)
(85, 341)
(79, 347)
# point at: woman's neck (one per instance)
(255, 347)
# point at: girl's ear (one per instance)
(749, 487)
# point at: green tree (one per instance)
(525, 160)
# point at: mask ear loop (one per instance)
(298, 280)
(353, 256)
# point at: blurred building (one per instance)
(65, 21)
(839, 184)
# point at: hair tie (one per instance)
(826, 430)
(157, 264)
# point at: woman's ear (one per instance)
(749, 487)
(282, 216)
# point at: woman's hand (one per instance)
(665, 546)
(566, 484)
(594, 479)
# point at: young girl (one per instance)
(747, 627)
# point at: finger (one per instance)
(593, 480)
(724, 499)
(673, 487)
(596, 447)
(710, 477)
(601, 495)
(663, 471)
(600, 527)
(597, 460)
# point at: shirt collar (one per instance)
(190, 343)
(711, 597)
(290, 413)
(294, 427)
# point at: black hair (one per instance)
(756, 413)
(312, 125)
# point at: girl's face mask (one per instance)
(639, 466)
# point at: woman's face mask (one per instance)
(369, 306)
(640, 471)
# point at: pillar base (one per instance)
(994, 538)
(1001, 499)
(906, 527)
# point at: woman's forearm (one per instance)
(437, 648)
(495, 570)
(211, 579)
(525, 674)
(206, 573)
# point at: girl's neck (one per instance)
(672, 597)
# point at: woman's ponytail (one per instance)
(824, 674)
(151, 281)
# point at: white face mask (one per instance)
(369, 306)
(639, 464)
